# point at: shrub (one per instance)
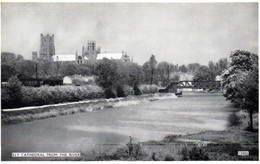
(128, 90)
(195, 153)
(11, 94)
(171, 138)
(5, 98)
(59, 94)
(184, 153)
(233, 119)
(109, 93)
(79, 80)
(168, 158)
(131, 151)
(146, 89)
(120, 92)
(137, 91)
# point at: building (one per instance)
(69, 58)
(34, 55)
(64, 57)
(116, 56)
(47, 50)
(90, 53)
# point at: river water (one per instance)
(191, 113)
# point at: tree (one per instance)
(242, 60)
(193, 67)
(83, 70)
(10, 58)
(13, 89)
(203, 74)
(240, 82)
(7, 71)
(221, 65)
(69, 69)
(27, 67)
(9, 62)
(146, 72)
(213, 69)
(149, 69)
(152, 66)
(183, 69)
(164, 72)
(106, 72)
(135, 73)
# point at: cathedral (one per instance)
(89, 54)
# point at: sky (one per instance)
(180, 33)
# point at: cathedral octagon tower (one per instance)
(90, 54)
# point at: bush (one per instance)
(168, 158)
(120, 92)
(79, 80)
(5, 98)
(184, 153)
(128, 90)
(11, 94)
(137, 91)
(233, 119)
(147, 89)
(43, 95)
(124, 91)
(171, 138)
(131, 151)
(195, 153)
(109, 93)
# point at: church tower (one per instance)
(47, 50)
(91, 51)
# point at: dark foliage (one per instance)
(109, 93)
(11, 94)
(195, 154)
(137, 91)
(233, 120)
(198, 154)
(169, 158)
(120, 92)
(240, 82)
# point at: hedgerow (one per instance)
(147, 89)
(31, 96)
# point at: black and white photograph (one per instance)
(129, 81)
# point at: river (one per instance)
(79, 132)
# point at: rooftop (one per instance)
(64, 57)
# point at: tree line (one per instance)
(151, 72)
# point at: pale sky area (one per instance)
(173, 32)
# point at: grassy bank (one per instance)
(207, 145)
(19, 115)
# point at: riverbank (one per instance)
(207, 145)
(27, 114)
(167, 129)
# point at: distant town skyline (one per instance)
(180, 33)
